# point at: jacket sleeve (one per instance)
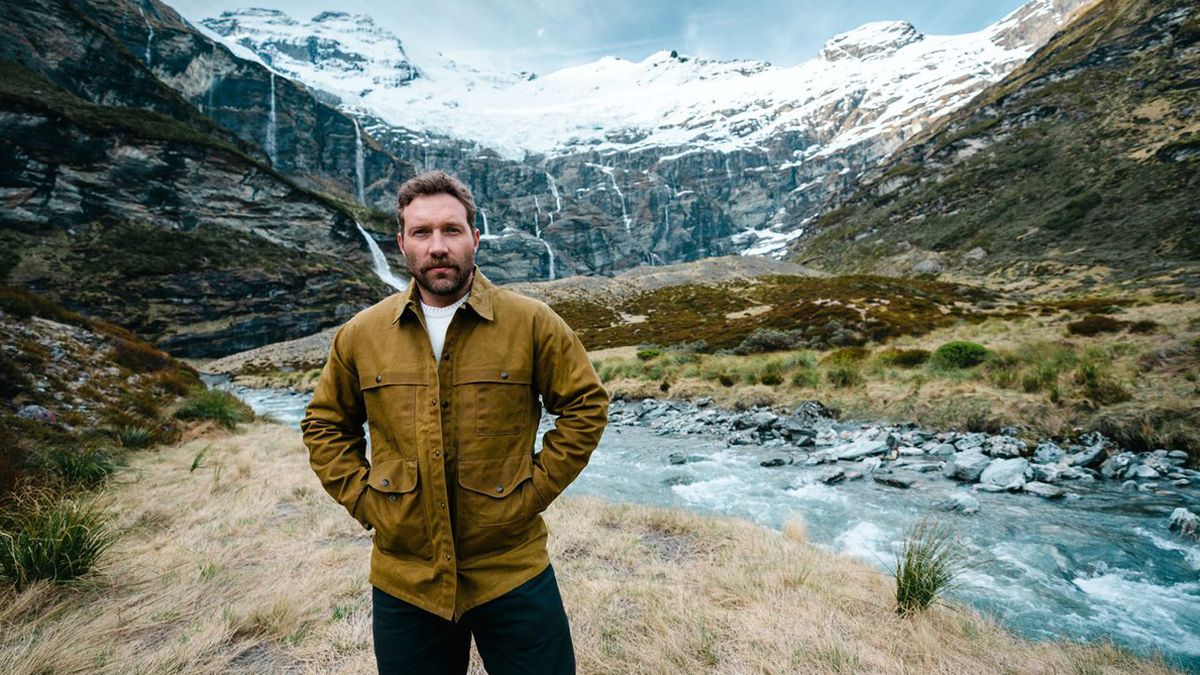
(333, 428)
(571, 391)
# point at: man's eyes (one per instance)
(422, 232)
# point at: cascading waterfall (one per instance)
(486, 231)
(149, 35)
(537, 217)
(358, 162)
(624, 215)
(380, 263)
(550, 253)
(554, 191)
(271, 123)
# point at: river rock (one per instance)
(832, 476)
(775, 461)
(1142, 471)
(962, 502)
(1009, 474)
(1181, 482)
(1116, 465)
(863, 448)
(909, 451)
(763, 420)
(1088, 456)
(1178, 454)
(1186, 523)
(680, 458)
(966, 466)
(943, 449)
(1043, 490)
(1129, 486)
(1048, 473)
(1004, 446)
(895, 479)
(970, 441)
(745, 437)
(988, 487)
(1048, 452)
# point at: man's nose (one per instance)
(437, 244)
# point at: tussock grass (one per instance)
(929, 562)
(79, 466)
(245, 565)
(218, 406)
(51, 538)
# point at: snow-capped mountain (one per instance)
(881, 78)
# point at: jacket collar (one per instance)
(480, 300)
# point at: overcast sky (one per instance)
(543, 35)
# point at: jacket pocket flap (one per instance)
(394, 476)
(497, 375)
(496, 478)
(386, 378)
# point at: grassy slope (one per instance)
(1090, 157)
(245, 564)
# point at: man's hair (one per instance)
(434, 183)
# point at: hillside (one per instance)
(1080, 167)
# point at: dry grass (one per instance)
(244, 565)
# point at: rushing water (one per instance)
(1100, 566)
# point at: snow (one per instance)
(880, 78)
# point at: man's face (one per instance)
(439, 247)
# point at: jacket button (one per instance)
(391, 498)
(504, 375)
(433, 402)
(445, 357)
(447, 556)
(445, 405)
(499, 488)
(441, 505)
(385, 482)
(378, 379)
(437, 453)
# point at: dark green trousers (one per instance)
(523, 631)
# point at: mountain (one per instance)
(1084, 163)
(601, 167)
(157, 207)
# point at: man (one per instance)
(449, 374)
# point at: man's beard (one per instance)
(445, 285)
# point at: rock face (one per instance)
(124, 202)
(1061, 167)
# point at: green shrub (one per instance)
(771, 374)
(1097, 385)
(844, 375)
(80, 466)
(846, 355)
(769, 340)
(808, 378)
(931, 558)
(693, 347)
(1094, 324)
(218, 406)
(647, 353)
(46, 537)
(904, 358)
(957, 355)
(1144, 327)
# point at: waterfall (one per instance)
(486, 232)
(537, 218)
(550, 253)
(271, 123)
(149, 35)
(621, 195)
(358, 162)
(554, 191)
(379, 261)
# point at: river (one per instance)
(1103, 565)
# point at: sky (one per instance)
(543, 35)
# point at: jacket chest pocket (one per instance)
(501, 400)
(496, 505)
(391, 400)
(393, 507)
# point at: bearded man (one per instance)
(451, 376)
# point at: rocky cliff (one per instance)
(125, 202)
(1085, 162)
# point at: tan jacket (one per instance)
(453, 487)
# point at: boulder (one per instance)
(36, 412)
(943, 449)
(1043, 490)
(832, 476)
(1004, 446)
(1186, 523)
(1048, 452)
(962, 502)
(1116, 465)
(859, 449)
(680, 458)
(1088, 457)
(895, 479)
(966, 466)
(1007, 474)
(775, 461)
(1048, 473)
(1142, 471)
